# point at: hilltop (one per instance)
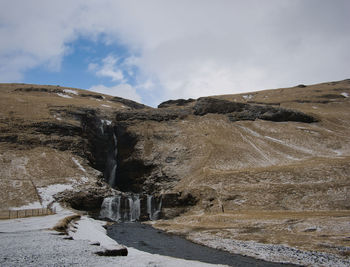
(270, 166)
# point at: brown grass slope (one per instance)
(41, 138)
(272, 182)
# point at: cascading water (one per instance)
(111, 165)
(120, 208)
(110, 208)
(153, 207)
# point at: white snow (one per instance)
(63, 95)
(69, 91)
(93, 231)
(345, 94)
(32, 223)
(47, 193)
(247, 97)
(107, 122)
(78, 164)
(34, 205)
(106, 106)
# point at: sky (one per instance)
(155, 50)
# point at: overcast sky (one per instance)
(151, 51)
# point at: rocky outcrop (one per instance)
(178, 102)
(129, 103)
(235, 111)
(242, 111)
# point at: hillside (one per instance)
(271, 166)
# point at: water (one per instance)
(145, 238)
(120, 208)
(153, 207)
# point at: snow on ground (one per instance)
(93, 231)
(25, 242)
(34, 205)
(345, 94)
(69, 91)
(63, 95)
(32, 223)
(78, 164)
(247, 97)
(270, 252)
(47, 193)
(106, 106)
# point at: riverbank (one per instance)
(30, 242)
(310, 238)
(146, 238)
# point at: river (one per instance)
(146, 238)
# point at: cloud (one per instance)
(121, 90)
(185, 48)
(108, 69)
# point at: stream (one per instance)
(146, 238)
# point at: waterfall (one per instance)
(120, 208)
(113, 176)
(111, 166)
(135, 209)
(153, 208)
(110, 208)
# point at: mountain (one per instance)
(271, 166)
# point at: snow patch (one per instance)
(107, 122)
(34, 205)
(247, 97)
(69, 91)
(63, 95)
(47, 193)
(78, 164)
(345, 94)
(93, 231)
(106, 106)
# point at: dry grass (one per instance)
(62, 225)
(308, 230)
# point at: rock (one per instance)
(242, 111)
(164, 114)
(205, 105)
(178, 102)
(89, 199)
(129, 103)
(113, 252)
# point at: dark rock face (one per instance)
(63, 129)
(207, 105)
(242, 111)
(89, 199)
(164, 114)
(178, 102)
(235, 111)
(92, 95)
(131, 170)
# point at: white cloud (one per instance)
(121, 90)
(186, 48)
(108, 69)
